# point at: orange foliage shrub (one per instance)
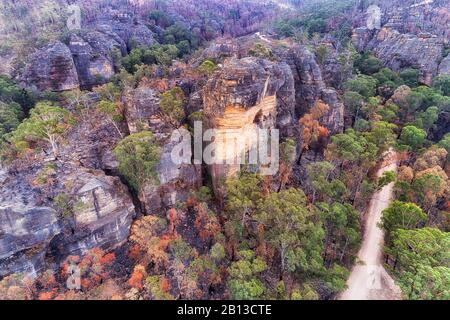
(311, 129)
(48, 295)
(93, 267)
(134, 252)
(137, 277)
(206, 222)
(172, 216)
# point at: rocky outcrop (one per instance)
(310, 87)
(400, 95)
(253, 92)
(413, 34)
(220, 49)
(102, 215)
(337, 66)
(51, 68)
(140, 36)
(25, 233)
(307, 77)
(96, 56)
(91, 57)
(141, 108)
(176, 181)
(361, 37)
(134, 34)
(333, 119)
(399, 51)
(411, 16)
(444, 67)
(246, 94)
(32, 224)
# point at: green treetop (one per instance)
(47, 122)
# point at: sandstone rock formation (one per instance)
(337, 66)
(141, 106)
(103, 215)
(248, 93)
(95, 54)
(25, 233)
(310, 87)
(31, 226)
(134, 34)
(51, 68)
(413, 34)
(176, 181)
(90, 58)
(398, 51)
(444, 66)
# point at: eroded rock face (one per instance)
(31, 224)
(398, 51)
(444, 67)
(25, 232)
(410, 16)
(132, 33)
(337, 66)
(245, 83)
(333, 119)
(246, 94)
(142, 110)
(361, 37)
(51, 68)
(94, 54)
(176, 181)
(253, 92)
(413, 34)
(307, 77)
(310, 87)
(103, 215)
(90, 58)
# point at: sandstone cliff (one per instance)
(32, 225)
(51, 68)
(412, 34)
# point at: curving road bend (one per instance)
(368, 279)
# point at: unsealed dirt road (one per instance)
(368, 279)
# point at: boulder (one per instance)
(399, 50)
(400, 95)
(32, 225)
(103, 216)
(95, 55)
(51, 68)
(133, 34)
(176, 181)
(246, 94)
